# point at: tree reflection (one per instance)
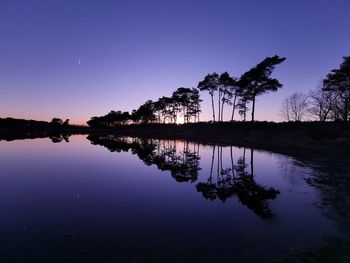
(181, 159)
(57, 138)
(237, 181)
(183, 163)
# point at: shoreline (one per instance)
(304, 139)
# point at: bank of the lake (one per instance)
(309, 139)
(313, 139)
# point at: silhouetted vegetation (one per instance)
(57, 138)
(338, 82)
(236, 181)
(330, 101)
(318, 139)
(210, 84)
(183, 102)
(183, 165)
(295, 107)
(322, 104)
(57, 130)
(186, 102)
(257, 81)
(11, 123)
(239, 92)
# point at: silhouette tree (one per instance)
(226, 84)
(159, 107)
(211, 85)
(234, 95)
(169, 110)
(111, 119)
(194, 108)
(242, 104)
(257, 80)
(183, 100)
(285, 110)
(56, 122)
(173, 108)
(93, 122)
(182, 97)
(188, 100)
(338, 82)
(322, 103)
(295, 107)
(65, 123)
(145, 113)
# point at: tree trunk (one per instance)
(212, 105)
(198, 114)
(223, 103)
(222, 111)
(184, 114)
(219, 117)
(253, 109)
(252, 162)
(233, 107)
(218, 166)
(243, 157)
(245, 112)
(232, 165)
(221, 170)
(212, 163)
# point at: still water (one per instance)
(120, 199)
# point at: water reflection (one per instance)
(69, 202)
(57, 138)
(183, 163)
(236, 181)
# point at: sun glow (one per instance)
(179, 121)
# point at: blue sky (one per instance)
(78, 59)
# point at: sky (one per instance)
(78, 59)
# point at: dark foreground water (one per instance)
(110, 199)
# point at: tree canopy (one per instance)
(183, 102)
(338, 82)
(186, 102)
(257, 80)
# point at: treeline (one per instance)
(25, 125)
(183, 102)
(11, 123)
(16, 129)
(238, 93)
(330, 101)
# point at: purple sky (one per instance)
(82, 59)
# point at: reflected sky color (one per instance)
(87, 202)
(84, 58)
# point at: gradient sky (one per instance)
(78, 59)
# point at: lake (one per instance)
(103, 198)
